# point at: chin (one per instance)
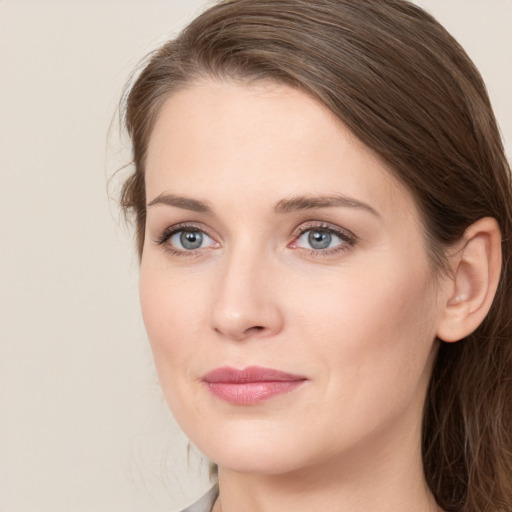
(255, 461)
(264, 452)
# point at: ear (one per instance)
(476, 272)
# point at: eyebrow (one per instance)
(311, 202)
(284, 206)
(186, 203)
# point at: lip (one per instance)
(250, 385)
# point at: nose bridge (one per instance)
(244, 302)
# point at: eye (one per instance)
(323, 239)
(185, 240)
(319, 239)
(190, 240)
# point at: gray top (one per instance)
(204, 504)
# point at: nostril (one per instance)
(255, 329)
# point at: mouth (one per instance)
(250, 385)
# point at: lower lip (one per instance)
(250, 393)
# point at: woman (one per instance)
(324, 219)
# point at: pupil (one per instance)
(191, 239)
(319, 239)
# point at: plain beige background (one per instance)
(83, 426)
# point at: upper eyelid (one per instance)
(188, 226)
(322, 225)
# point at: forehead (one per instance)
(225, 139)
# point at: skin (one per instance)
(358, 320)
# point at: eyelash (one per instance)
(172, 230)
(347, 239)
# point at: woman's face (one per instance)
(285, 284)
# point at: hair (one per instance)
(391, 73)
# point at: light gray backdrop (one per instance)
(83, 426)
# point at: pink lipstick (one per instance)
(250, 385)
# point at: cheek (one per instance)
(173, 311)
(376, 351)
(378, 327)
(174, 308)
(363, 299)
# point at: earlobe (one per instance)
(476, 272)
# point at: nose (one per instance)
(245, 304)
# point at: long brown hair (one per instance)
(406, 88)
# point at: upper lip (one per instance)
(250, 374)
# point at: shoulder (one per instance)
(205, 503)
